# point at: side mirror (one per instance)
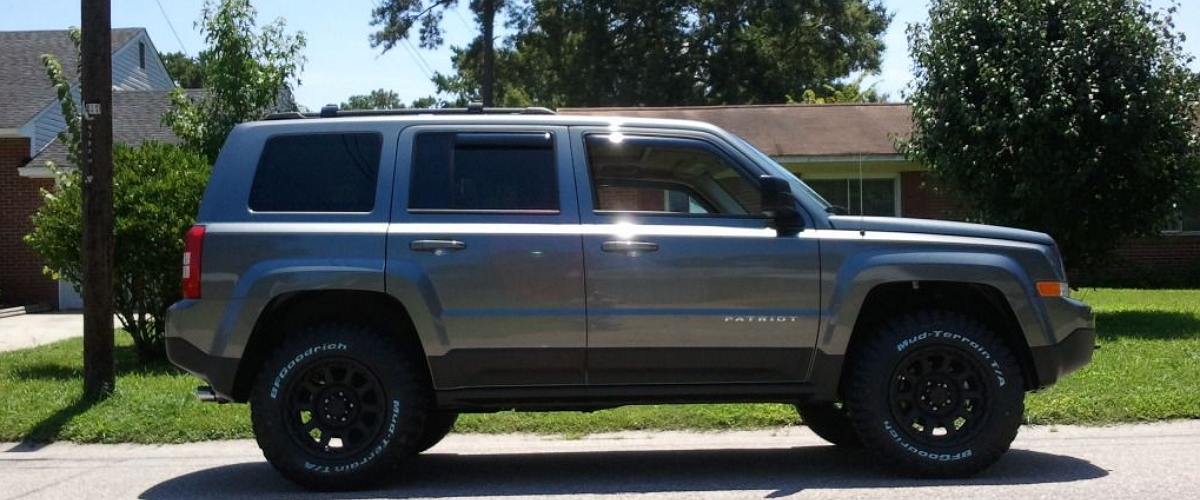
(779, 204)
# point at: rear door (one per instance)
(686, 281)
(483, 236)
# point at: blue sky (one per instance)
(342, 63)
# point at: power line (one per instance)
(172, 26)
(462, 20)
(418, 58)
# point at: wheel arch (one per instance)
(290, 312)
(982, 302)
(869, 287)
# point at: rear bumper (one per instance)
(183, 323)
(218, 372)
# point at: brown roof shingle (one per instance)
(24, 89)
(793, 129)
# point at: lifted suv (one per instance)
(362, 279)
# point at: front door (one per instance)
(686, 282)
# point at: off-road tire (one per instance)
(338, 407)
(829, 421)
(937, 394)
(437, 425)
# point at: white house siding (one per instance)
(46, 125)
(127, 75)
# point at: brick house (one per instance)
(30, 120)
(834, 147)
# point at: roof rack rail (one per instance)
(474, 108)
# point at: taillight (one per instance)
(191, 262)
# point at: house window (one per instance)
(142, 55)
(1188, 218)
(868, 197)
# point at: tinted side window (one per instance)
(317, 173)
(483, 171)
(666, 175)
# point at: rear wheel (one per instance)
(935, 393)
(830, 421)
(337, 407)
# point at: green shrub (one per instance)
(156, 194)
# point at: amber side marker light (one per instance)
(1053, 289)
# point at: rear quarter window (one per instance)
(317, 173)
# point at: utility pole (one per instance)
(99, 374)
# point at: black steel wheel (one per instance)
(335, 408)
(937, 394)
(338, 407)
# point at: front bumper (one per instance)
(1072, 344)
(1053, 362)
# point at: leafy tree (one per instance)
(377, 99)
(680, 52)
(1073, 117)
(187, 72)
(387, 99)
(156, 194)
(760, 50)
(424, 102)
(836, 93)
(462, 87)
(246, 75)
(397, 18)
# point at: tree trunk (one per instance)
(488, 19)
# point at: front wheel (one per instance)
(437, 426)
(829, 421)
(937, 394)
(336, 407)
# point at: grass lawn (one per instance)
(1148, 369)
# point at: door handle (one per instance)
(626, 246)
(436, 246)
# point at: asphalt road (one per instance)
(1141, 462)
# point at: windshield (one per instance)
(778, 170)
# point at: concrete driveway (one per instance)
(1147, 461)
(28, 330)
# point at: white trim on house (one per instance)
(852, 176)
(35, 172)
(841, 159)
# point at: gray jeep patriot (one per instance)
(361, 279)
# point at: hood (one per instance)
(947, 228)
